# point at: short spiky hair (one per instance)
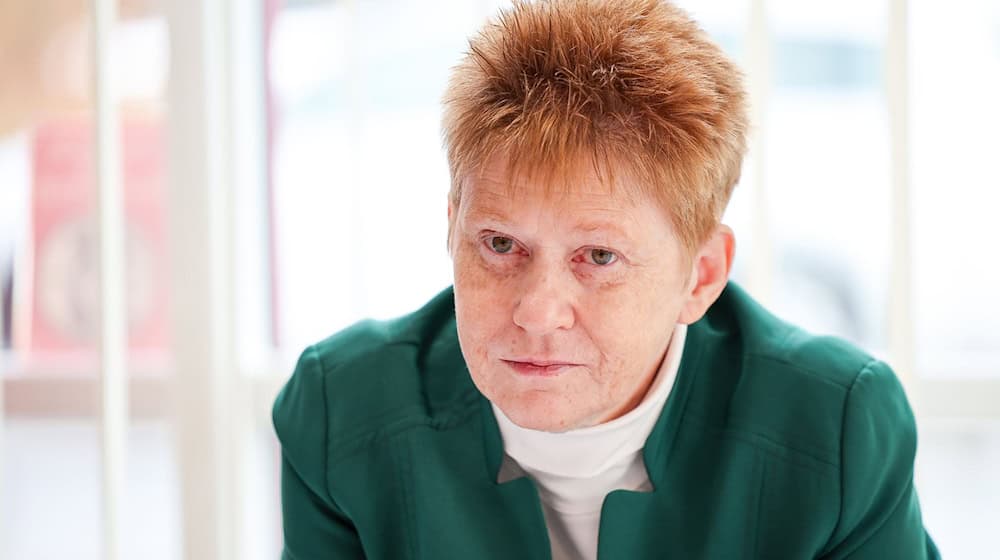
(632, 86)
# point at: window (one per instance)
(301, 186)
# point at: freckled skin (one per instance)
(546, 298)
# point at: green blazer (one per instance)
(773, 444)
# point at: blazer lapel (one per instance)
(518, 497)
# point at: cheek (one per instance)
(616, 318)
(628, 326)
(481, 306)
(477, 292)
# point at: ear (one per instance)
(709, 274)
(451, 225)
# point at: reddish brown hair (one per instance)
(635, 87)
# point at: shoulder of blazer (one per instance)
(772, 383)
(375, 379)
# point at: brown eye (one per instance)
(501, 244)
(602, 257)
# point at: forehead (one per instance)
(498, 184)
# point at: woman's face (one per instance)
(565, 302)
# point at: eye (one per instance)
(602, 257)
(499, 244)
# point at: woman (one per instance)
(593, 386)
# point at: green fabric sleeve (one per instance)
(314, 526)
(879, 514)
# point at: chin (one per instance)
(540, 412)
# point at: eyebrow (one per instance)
(489, 215)
(598, 225)
(592, 226)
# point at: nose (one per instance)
(546, 302)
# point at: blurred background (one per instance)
(251, 172)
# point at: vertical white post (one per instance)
(899, 320)
(113, 336)
(759, 85)
(202, 309)
(248, 202)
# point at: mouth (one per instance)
(539, 368)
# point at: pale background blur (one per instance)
(283, 177)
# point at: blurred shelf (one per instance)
(68, 386)
(73, 397)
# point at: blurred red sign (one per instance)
(63, 286)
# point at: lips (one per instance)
(539, 368)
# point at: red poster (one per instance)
(63, 296)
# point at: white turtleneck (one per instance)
(575, 470)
